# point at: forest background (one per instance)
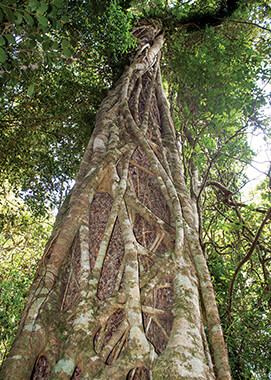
(58, 60)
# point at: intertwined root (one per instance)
(117, 293)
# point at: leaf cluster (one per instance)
(25, 40)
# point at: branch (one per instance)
(221, 187)
(251, 23)
(244, 260)
(219, 151)
(228, 193)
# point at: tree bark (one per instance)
(123, 288)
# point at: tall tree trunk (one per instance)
(123, 285)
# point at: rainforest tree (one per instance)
(123, 289)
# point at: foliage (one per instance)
(217, 97)
(58, 121)
(22, 239)
(52, 89)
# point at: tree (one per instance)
(123, 289)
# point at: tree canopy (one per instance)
(58, 60)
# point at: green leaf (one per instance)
(65, 19)
(42, 20)
(29, 19)
(9, 13)
(58, 3)
(30, 89)
(19, 18)
(42, 8)
(3, 56)
(46, 45)
(19, 29)
(33, 5)
(30, 44)
(67, 53)
(10, 38)
(53, 13)
(55, 46)
(65, 44)
(2, 41)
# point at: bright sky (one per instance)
(261, 164)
